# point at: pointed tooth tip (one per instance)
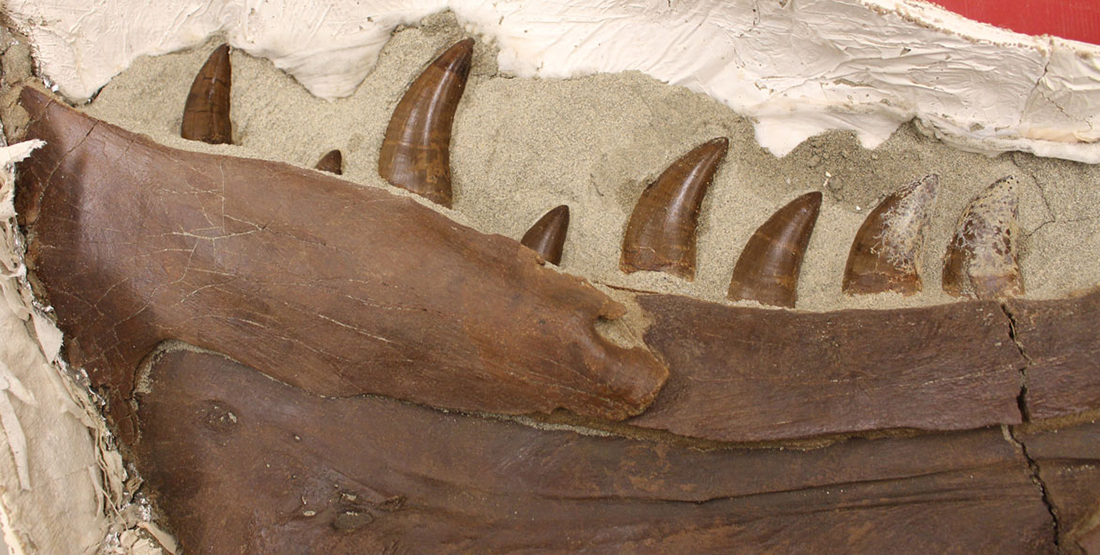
(768, 268)
(547, 235)
(458, 57)
(332, 162)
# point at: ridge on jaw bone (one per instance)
(660, 236)
(981, 259)
(767, 270)
(336, 288)
(547, 236)
(332, 162)
(416, 149)
(206, 113)
(888, 247)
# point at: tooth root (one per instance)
(981, 259)
(332, 162)
(547, 236)
(767, 270)
(416, 149)
(206, 113)
(661, 233)
(888, 247)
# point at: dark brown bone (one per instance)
(981, 259)
(244, 464)
(767, 270)
(333, 287)
(547, 236)
(416, 149)
(661, 234)
(332, 162)
(888, 247)
(1062, 343)
(754, 374)
(1068, 460)
(206, 113)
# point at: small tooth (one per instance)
(206, 113)
(547, 236)
(661, 233)
(332, 162)
(981, 259)
(887, 250)
(767, 270)
(416, 149)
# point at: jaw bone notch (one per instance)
(332, 162)
(416, 149)
(767, 270)
(981, 260)
(887, 250)
(547, 236)
(206, 113)
(661, 233)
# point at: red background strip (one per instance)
(1070, 19)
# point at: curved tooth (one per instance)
(767, 270)
(206, 112)
(547, 236)
(661, 233)
(887, 250)
(981, 259)
(416, 149)
(332, 162)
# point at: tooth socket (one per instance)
(206, 112)
(886, 253)
(660, 236)
(416, 149)
(981, 260)
(547, 236)
(332, 162)
(767, 270)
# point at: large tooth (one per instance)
(981, 259)
(887, 250)
(206, 113)
(332, 162)
(416, 150)
(767, 270)
(547, 236)
(661, 233)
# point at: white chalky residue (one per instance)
(796, 68)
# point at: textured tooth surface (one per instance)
(981, 259)
(416, 149)
(661, 233)
(332, 162)
(547, 236)
(206, 113)
(887, 250)
(767, 270)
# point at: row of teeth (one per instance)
(980, 262)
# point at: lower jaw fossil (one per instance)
(338, 290)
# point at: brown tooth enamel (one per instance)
(661, 234)
(416, 149)
(206, 113)
(332, 162)
(887, 250)
(547, 236)
(767, 270)
(981, 259)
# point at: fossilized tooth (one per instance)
(767, 270)
(416, 149)
(981, 258)
(547, 236)
(887, 250)
(337, 288)
(660, 236)
(332, 162)
(206, 113)
(241, 463)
